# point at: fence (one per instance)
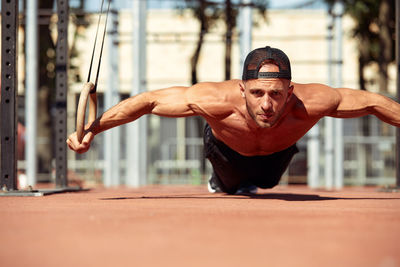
(368, 160)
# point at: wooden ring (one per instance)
(81, 112)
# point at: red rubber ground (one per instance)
(187, 226)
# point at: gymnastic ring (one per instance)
(88, 89)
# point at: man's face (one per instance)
(266, 98)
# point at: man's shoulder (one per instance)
(314, 91)
(225, 89)
(315, 87)
(317, 99)
(214, 99)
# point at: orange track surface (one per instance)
(187, 226)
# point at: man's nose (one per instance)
(266, 104)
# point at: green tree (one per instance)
(374, 30)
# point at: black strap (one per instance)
(254, 74)
(101, 49)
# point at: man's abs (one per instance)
(249, 142)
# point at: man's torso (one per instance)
(237, 130)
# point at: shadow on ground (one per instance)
(278, 196)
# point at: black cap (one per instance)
(255, 59)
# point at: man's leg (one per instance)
(224, 176)
(214, 185)
(270, 169)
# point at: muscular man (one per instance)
(253, 124)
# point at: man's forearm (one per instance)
(387, 110)
(124, 112)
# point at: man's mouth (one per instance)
(266, 116)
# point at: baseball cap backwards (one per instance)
(255, 59)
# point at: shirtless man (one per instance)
(253, 124)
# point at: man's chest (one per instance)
(246, 140)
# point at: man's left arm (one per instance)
(357, 103)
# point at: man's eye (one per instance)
(256, 92)
(276, 93)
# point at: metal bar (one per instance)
(245, 37)
(328, 120)
(61, 93)
(338, 10)
(9, 89)
(398, 91)
(40, 192)
(313, 147)
(137, 131)
(313, 156)
(111, 96)
(180, 138)
(31, 88)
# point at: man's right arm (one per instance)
(169, 102)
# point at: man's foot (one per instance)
(247, 189)
(212, 185)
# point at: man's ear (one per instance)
(290, 92)
(241, 85)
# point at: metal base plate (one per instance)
(40, 192)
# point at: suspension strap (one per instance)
(89, 89)
(93, 90)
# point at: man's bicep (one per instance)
(182, 101)
(203, 99)
(170, 102)
(352, 103)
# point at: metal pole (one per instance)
(338, 10)
(112, 137)
(31, 88)
(9, 89)
(313, 157)
(329, 124)
(137, 131)
(181, 138)
(61, 93)
(398, 91)
(328, 120)
(245, 24)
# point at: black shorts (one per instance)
(232, 169)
